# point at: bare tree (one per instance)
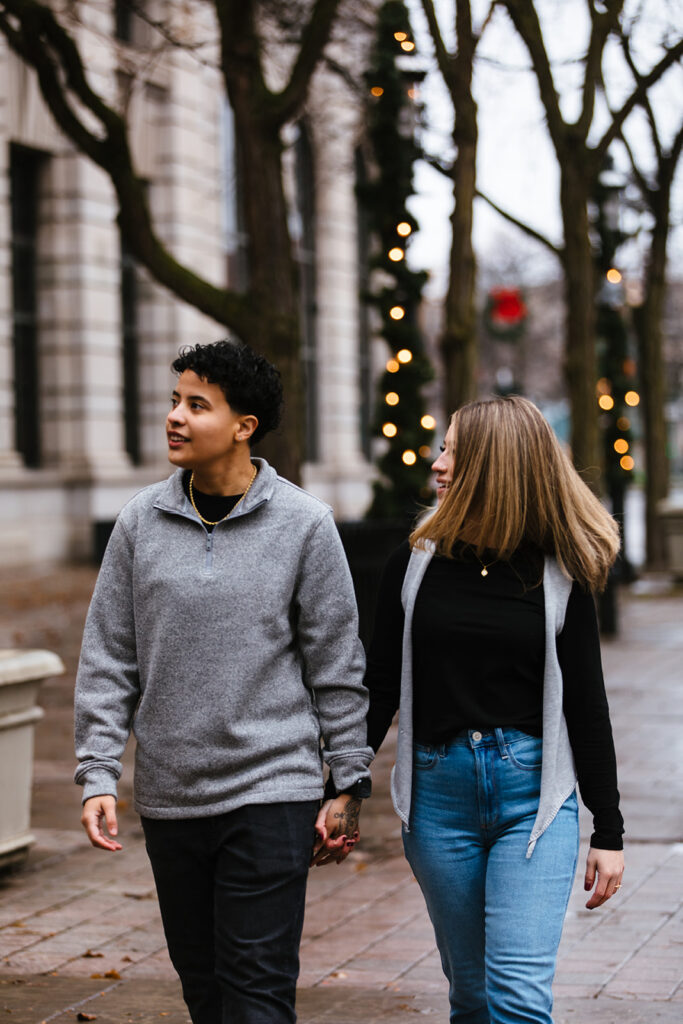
(459, 337)
(580, 162)
(266, 314)
(655, 190)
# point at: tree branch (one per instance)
(531, 232)
(443, 58)
(647, 106)
(525, 20)
(37, 37)
(286, 104)
(601, 26)
(645, 82)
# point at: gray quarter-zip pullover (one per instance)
(230, 655)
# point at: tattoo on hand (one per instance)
(347, 820)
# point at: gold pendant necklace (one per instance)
(208, 522)
(484, 568)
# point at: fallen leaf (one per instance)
(92, 953)
(149, 895)
(95, 975)
(112, 974)
(86, 1016)
(127, 959)
(339, 974)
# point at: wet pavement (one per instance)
(80, 932)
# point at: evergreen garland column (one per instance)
(401, 417)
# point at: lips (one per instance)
(176, 440)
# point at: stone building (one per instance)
(79, 434)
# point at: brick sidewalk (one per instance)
(80, 932)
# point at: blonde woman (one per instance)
(502, 706)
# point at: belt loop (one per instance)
(501, 744)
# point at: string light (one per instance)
(397, 312)
(626, 462)
(393, 366)
(621, 446)
(606, 402)
(400, 36)
(377, 90)
(409, 457)
(425, 451)
(403, 229)
(408, 46)
(404, 356)
(603, 387)
(613, 275)
(396, 254)
(412, 94)
(623, 423)
(632, 398)
(428, 422)
(391, 398)
(389, 429)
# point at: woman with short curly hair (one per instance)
(223, 633)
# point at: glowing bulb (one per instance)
(408, 46)
(412, 94)
(400, 36)
(623, 423)
(404, 356)
(428, 422)
(621, 446)
(626, 462)
(392, 366)
(391, 398)
(603, 387)
(397, 312)
(389, 429)
(403, 229)
(409, 457)
(632, 398)
(425, 451)
(377, 90)
(606, 402)
(396, 254)
(613, 275)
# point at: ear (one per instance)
(246, 425)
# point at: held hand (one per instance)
(336, 829)
(99, 811)
(609, 867)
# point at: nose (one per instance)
(175, 415)
(438, 463)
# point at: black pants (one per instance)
(231, 892)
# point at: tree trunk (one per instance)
(459, 340)
(648, 324)
(580, 357)
(272, 285)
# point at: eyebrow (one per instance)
(191, 398)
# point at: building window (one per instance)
(365, 388)
(25, 171)
(130, 354)
(234, 233)
(303, 234)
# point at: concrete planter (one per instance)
(671, 517)
(21, 673)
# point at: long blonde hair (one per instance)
(513, 484)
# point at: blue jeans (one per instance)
(497, 915)
(231, 892)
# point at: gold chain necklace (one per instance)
(207, 522)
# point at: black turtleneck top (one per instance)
(478, 662)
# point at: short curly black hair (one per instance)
(251, 385)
